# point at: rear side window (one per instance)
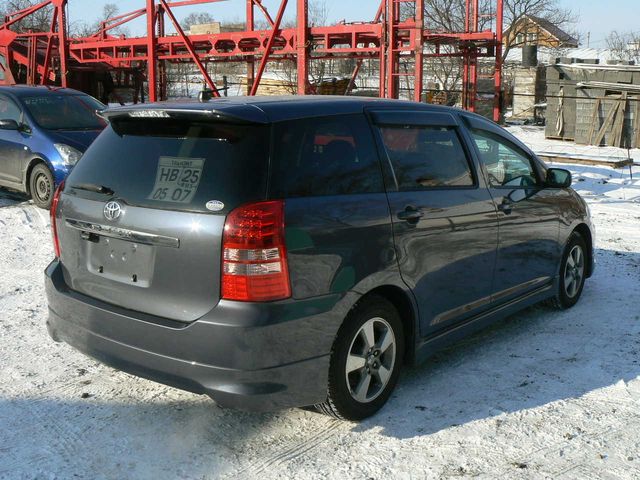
(324, 156)
(177, 164)
(426, 157)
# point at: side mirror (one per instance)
(558, 178)
(8, 124)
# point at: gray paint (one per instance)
(263, 356)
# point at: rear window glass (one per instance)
(176, 164)
(426, 157)
(65, 112)
(324, 156)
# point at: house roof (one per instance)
(562, 36)
(548, 55)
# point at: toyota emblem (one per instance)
(112, 210)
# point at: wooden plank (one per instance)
(637, 124)
(605, 124)
(586, 161)
(594, 120)
(619, 123)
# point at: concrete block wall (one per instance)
(579, 103)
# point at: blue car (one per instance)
(43, 133)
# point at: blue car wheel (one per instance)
(41, 186)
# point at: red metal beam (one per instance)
(497, 98)
(250, 26)
(388, 38)
(115, 22)
(185, 3)
(265, 57)
(358, 66)
(264, 11)
(189, 46)
(393, 60)
(47, 55)
(419, 52)
(152, 63)
(63, 46)
(302, 46)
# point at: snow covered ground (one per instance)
(545, 394)
(533, 137)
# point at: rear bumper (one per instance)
(256, 357)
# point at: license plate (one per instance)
(121, 260)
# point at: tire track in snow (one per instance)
(61, 440)
(291, 452)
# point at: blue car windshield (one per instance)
(65, 112)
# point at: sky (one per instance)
(597, 17)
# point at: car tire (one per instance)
(41, 186)
(573, 272)
(366, 359)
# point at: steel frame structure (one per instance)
(50, 56)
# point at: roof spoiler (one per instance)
(245, 114)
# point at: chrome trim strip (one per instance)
(123, 233)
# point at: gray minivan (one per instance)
(297, 251)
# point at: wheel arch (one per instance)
(404, 303)
(585, 232)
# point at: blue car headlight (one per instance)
(70, 155)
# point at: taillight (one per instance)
(54, 226)
(254, 257)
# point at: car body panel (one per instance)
(263, 356)
(36, 144)
(529, 247)
(335, 243)
(251, 356)
(457, 235)
(179, 282)
(13, 155)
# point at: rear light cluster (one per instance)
(254, 257)
(54, 225)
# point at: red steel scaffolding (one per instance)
(393, 38)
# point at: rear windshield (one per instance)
(65, 112)
(176, 164)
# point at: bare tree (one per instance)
(39, 21)
(624, 45)
(84, 29)
(196, 18)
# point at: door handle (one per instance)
(506, 206)
(410, 215)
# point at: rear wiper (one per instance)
(92, 187)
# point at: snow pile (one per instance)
(545, 394)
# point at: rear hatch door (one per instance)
(142, 214)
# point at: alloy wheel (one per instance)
(574, 271)
(371, 359)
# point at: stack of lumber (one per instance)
(272, 86)
(334, 86)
